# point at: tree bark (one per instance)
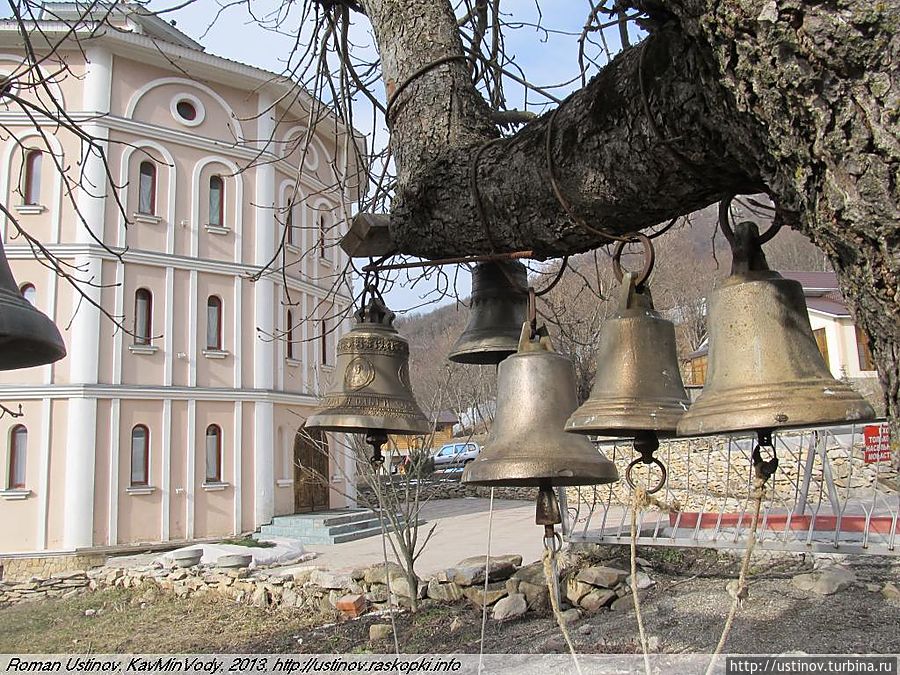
(797, 98)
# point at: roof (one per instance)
(444, 417)
(827, 306)
(814, 282)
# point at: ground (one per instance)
(684, 612)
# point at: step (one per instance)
(300, 532)
(324, 519)
(321, 537)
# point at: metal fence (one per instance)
(824, 496)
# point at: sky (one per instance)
(547, 56)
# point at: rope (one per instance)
(487, 569)
(640, 500)
(759, 491)
(550, 574)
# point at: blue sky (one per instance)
(546, 57)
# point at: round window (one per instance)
(186, 110)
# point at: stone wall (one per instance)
(45, 567)
(61, 585)
(451, 489)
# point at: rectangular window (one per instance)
(324, 341)
(698, 370)
(214, 323)
(31, 178)
(140, 455)
(216, 201)
(147, 189)
(213, 454)
(323, 243)
(18, 441)
(863, 352)
(143, 308)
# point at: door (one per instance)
(310, 471)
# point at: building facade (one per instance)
(180, 424)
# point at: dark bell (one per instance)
(27, 336)
(498, 306)
(372, 391)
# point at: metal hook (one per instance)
(649, 258)
(725, 225)
(653, 460)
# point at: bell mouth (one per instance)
(28, 337)
(505, 473)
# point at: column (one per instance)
(84, 336)
(264, 318)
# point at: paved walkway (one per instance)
(460, 531)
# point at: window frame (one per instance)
(31, 177)
(153, 176)
(864, 358)
(220, 201)
(323, 341)
(17, 457)
(145, 459)
(217, 478)
(139, 338)
(289, 336)
(214, 302)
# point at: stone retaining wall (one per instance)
(45, 567)
(453, 489)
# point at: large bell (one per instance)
(372, 391)
(27, 336)
(527, 445)
(764, 369)
(498, 306)
(638, 384)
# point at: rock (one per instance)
(537, 596)
(177, 575)
(826, 581)
(402, 588)
(377, 593)
(597, 599)
(90, 612)
(576, 590)
(470, 571)
(510, 607)
(358, 574)
(352, 605)
(653, 643)
(585, 630)
(533, 573)
(259, 598)
(623, 604)
(449, 592)
(379, 632)
(605, 577)
(891, 591)
(456, 624)
(330, 580)
(477, 596)
(571, 615)
(378, 574)
(873, 588)
(643, 581)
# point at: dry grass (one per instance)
(167, 625)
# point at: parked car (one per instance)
(455, 454)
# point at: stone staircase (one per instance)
(324, 527)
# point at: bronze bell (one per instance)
(27, 336)
(765, 370)
(373, 394)
(498, 306)
(638, 385)
(526, 445)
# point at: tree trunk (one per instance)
(797, 98)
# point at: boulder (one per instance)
(891, 591)
(401, 587)
(259, 598)
(576, 590)
(330, 580)
(570, 615)
(449, 592)
(477, 596)
(643, 581)
(604, 577)
(623, 604)
(377, 593)
(470, 571)
(825, 582)
(597, 599)
(536, 595)
(510, 607)
(378, 574)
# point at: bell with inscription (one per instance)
(498, 305)
(372, 392)
(765, 369)
(526, 445)
(27, 336)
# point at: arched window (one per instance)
(147, 188)
(31, 178)
(143, 317)
(289, 335)
(213, 454)
(323, 248)
(216, 201)
(29, 293)
(323, 336)
(140, 455)
(18, 440)
(213, 322)
(291, 227)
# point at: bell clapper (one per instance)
(646, 443)
(764, 468)
(376, 438)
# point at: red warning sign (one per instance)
(878, 443)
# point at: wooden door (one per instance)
(310, 471)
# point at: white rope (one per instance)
(640, 499)
(550, 572)
(487, 569)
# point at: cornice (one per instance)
(20, 392)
